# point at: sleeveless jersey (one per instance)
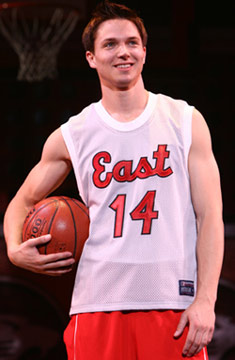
(134, 179)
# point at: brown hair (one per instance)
(106, 11)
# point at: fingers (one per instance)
(181, 326)
(62, 262)
(57, 272)
(198, 337)
(39, 240)
(50, 264)
(54, 264)
(192, 343)
(48, 258)
(57, 258)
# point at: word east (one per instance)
(123, 170)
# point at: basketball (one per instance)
(66, 219)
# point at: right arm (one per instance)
(44, 178)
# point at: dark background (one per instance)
(190, 56)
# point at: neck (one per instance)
(125, 105)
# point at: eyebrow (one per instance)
(108, 39)
(115, 39)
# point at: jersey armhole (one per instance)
(72, 152)
(187, 131)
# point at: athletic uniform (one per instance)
(133, 177)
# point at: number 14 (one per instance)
(143, 211)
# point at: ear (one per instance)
(144, 58)
(91, 59)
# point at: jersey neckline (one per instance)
(130, 125)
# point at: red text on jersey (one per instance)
(123, 170)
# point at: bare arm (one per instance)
(207, 202)
(45, 177)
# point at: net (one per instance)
(37, 32)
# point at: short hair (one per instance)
(107, 11)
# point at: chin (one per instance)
(125, 85)
(123, 88)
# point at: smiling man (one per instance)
(147, 279)
(119, 55)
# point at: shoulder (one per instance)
(201, 139)
(198, 120)
(175, 108)
(171, 102)
(55, 147)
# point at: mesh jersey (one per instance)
(134, 178)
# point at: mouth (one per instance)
(123, 66)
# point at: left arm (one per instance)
(207, 202)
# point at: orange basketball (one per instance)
(66, 219)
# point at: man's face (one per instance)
(118, 55)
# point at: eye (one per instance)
(109, 45)
(132, 42)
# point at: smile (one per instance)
(123, 66)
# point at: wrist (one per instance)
(208, 299)
(11, 252)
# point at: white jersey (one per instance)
(134, 179)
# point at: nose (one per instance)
(123, 51)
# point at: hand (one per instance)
(200, 317)
(27, 256)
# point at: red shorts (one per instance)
(126, 335)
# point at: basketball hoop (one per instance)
(37, 31)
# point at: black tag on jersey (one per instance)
(186, 287)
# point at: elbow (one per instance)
(210, 219)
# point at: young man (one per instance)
(147, 280)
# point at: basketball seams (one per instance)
(74, 224)
(51, 222)
(62, 217)
(75, 201)
(34, 215)
(80, 207)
